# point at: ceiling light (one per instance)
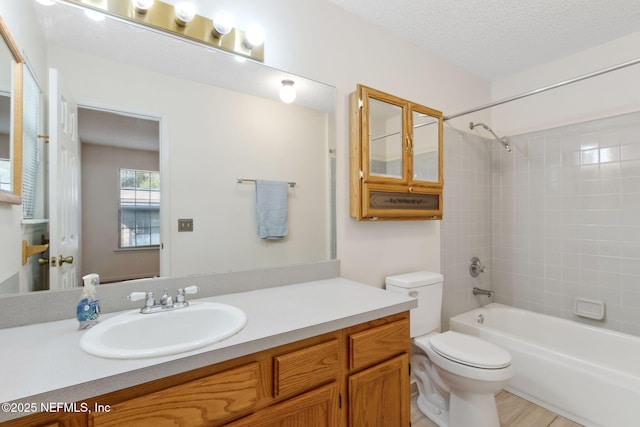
(254, 36)
(185, 12)
(287, 92)
(141, 6)
(222, 24)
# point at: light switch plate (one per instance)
(185, 224)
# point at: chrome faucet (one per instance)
(476, 267)
(166, 301)
(478, 291)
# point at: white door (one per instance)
(64, 186)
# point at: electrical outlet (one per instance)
(185, 224)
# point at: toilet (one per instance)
(457, 375)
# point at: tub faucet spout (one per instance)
(478, 291)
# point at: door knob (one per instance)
(43, 261)
(62, 260)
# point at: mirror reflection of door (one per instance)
(64, 171)
(120, 179)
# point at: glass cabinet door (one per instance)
(426, 147)
(385, 139)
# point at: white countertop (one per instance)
(44, 363)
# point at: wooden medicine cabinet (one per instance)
(396, 158)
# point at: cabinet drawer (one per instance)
(306, 368)
(209, 400)
(378, 344)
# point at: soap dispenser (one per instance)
(88, 307)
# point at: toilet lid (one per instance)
(469, 350)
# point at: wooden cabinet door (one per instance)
(208, 401)
(49, 419)
(379, 396)
(317, 408)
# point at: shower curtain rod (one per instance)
(546, 88)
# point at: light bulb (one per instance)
(222, 24)
(141, 6)
(185, 12)
(254, 36)
(287, 92)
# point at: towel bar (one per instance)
(241, 180)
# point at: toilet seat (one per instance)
(467, 350)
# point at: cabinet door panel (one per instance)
(378, 344)
(426, 166)
(305, 369)
(317, 408)
(379, 396)
(209, 401)
(385, 130)
(386, 201)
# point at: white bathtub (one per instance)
(587, 374)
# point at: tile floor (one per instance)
(513, 412)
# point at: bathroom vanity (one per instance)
(324, 353)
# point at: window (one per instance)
(139, 211)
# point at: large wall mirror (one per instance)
(165, 129)
(10, 118)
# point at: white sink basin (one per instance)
(133, 335)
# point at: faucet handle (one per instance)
(136, 296)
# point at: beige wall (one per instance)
(100, 165)
(603, 96)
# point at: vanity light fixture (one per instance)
(142, 6)
(185, 12)
(287, 92)
(222, 24)
(178, 18)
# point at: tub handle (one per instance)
(476, 267)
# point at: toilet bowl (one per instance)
(457, 375)
(472, 370)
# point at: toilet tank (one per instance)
(426, 287)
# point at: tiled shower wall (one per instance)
(565, 219)
(466, 227)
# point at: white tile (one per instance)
(630, 151)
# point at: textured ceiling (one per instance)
(497, 38)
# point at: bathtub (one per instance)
(587, 374)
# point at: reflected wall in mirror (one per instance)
(218, 120)
(10, 118)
